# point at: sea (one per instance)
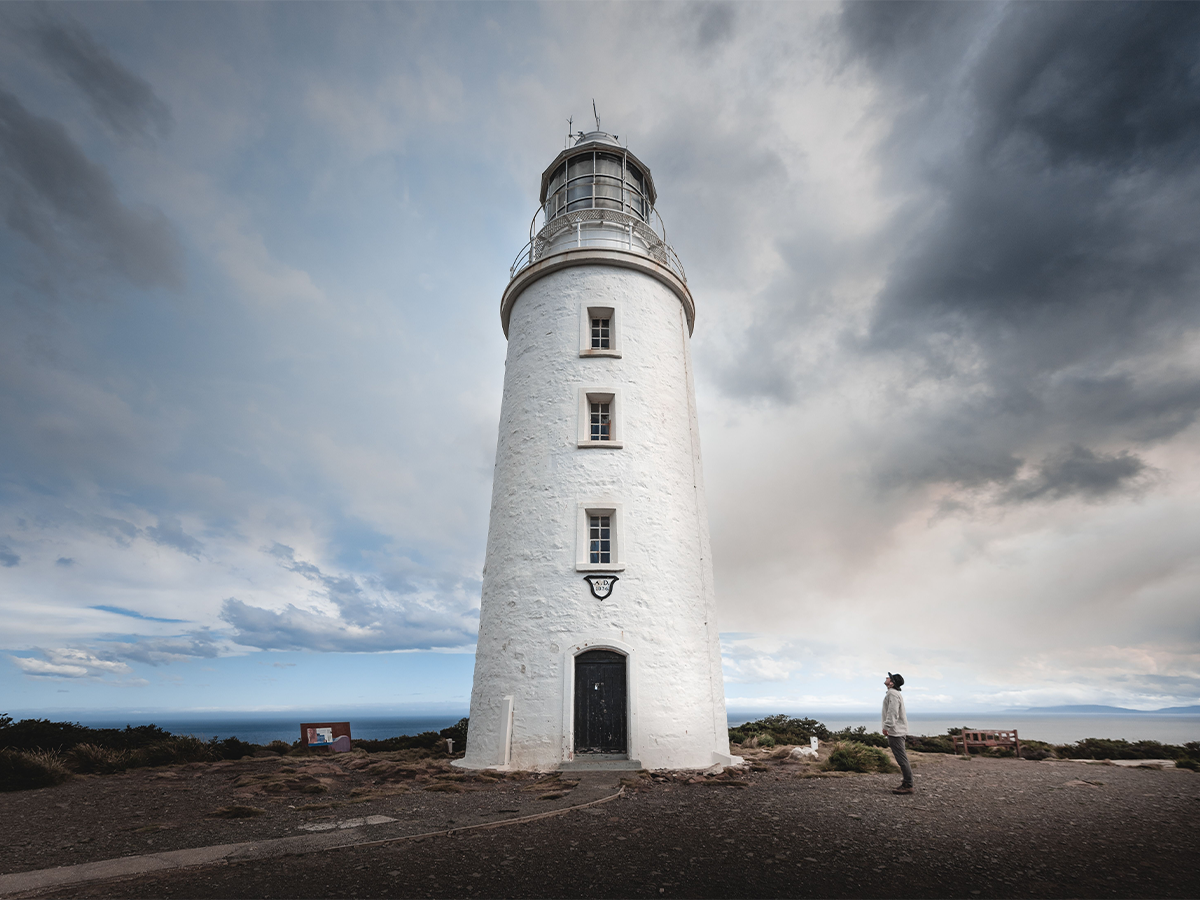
(262, 729)
(1055, 728)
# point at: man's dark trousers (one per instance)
(898, 751)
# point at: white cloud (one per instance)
(65, 662)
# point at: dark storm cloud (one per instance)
(1077, 116)
(125, 102)
(56, 198)
(1078, 471)
(1051, 253)
(8, 558)
(169, 533)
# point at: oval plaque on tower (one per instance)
(601, 585)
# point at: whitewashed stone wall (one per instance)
(537, 611)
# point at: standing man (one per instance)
(895, 727)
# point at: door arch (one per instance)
(601, 703)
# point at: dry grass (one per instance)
(446, 787)
(237, 812)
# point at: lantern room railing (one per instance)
(597, 228)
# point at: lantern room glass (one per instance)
(595, 179)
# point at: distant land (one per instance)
(1110, 710)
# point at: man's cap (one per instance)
(897, 679)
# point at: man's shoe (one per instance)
(903, 790)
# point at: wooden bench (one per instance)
(984, 738)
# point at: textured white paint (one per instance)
(537, 612)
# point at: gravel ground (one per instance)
(978, 828)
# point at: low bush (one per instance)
(174, 750)
(1107, 748)
(766, 739)
(1036, 750)
(938, 743)
(852, 756)
(457, 732)
(232, 748)
(42, 734)
(782, 729)
(428, 740)
(92, 759)
(31, 769)
(861, 735)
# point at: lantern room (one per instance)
(597, 173)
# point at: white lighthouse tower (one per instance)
(598, 632)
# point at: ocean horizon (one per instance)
(267, 727)
(263, 727)
(1051, 727)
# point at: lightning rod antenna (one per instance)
(596, 114)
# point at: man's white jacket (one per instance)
(895, 722)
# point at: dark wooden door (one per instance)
(600, 703)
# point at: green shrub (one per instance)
(766, 739)
(852, 756)
(428, 740)
(175, 750)
(783, 729)
(280, 747)
(1107, 748)
(90, 759)
(1036, 750)
(861, 735)
(458, 732)
(231, 748)
(31, 769)
(42, 734)
(938, 743)
(1188, 763)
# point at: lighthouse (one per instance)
(598, 642)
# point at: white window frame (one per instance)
(616, 523)
(616, 430)
(612, 312)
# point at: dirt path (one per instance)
(986, 828)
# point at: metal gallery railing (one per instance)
(607, 229)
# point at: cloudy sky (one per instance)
(946, 262)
